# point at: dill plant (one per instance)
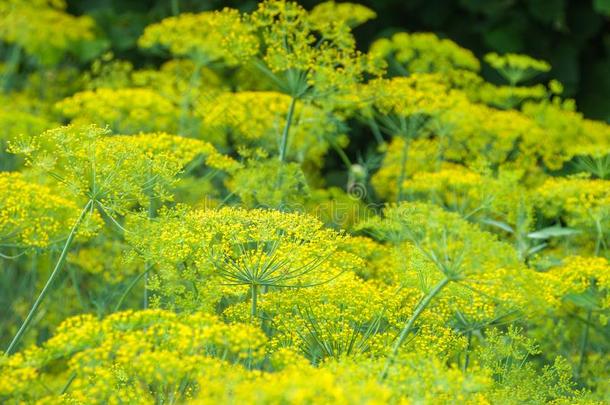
(454, 247)
(260, 249)
(405, 108)
(258, 279)
(109, 173)
(307, 56)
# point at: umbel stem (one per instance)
(131, 286)
(403, 169)
(285, 132)
(423, 304)
(584, 341)
(47, 287)
(152, 213)
(254, 300)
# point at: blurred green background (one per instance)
(573, 35)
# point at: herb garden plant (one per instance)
(210, 227)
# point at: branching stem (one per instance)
(423, 304)
(45, 290)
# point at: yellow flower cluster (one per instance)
(339, 15)
(416, 94)
(296, 385)
(481, 133)
(33, 215)
(478, 266)
(126, 110)
(270, 184)
(114, 358)
(515, 67)
(507, 97)
(16, 118)
(205, 37)
(300, 63)
(580, 202)
(577, 274)
(105, 259)
(174, 80)
(262, 248)
(348, 318)
(564, 133)
(516, 61)
(43, 28)
(457, 189)
(424, 155)
(473, 134)
(470, 193)
(167, 148)
(289, 219)
(116, 171)
(17, 375)
(256, 119)
(423, 53)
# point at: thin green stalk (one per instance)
(467, 355)
(403, 168)
(585, 333)
(152, 212)
(145, 303)
(599, 237)
(285, 132)
(376, 132)
(187, 98)
(12, 66)
(254, 300)
(68, 383)
(79, 295)
(175, 7)
(342, 155)
(284, 146)
(130, 287)
(409, 326)
(52, 277)
(583, 344)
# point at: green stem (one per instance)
(145, 303)
(585, 333)
(285, 132)
(130, 287)
(68, 383)
(599, 237)
(403, 169)
(52, 277)
(583, 344)
(254, 300)
(12, 66)
(187, 98)
(175, 7)
(376, 131)
(342, 155)
(79, 295)
(152, 213)
(467, 355)
(409, 326)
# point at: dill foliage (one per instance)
(181, 231)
